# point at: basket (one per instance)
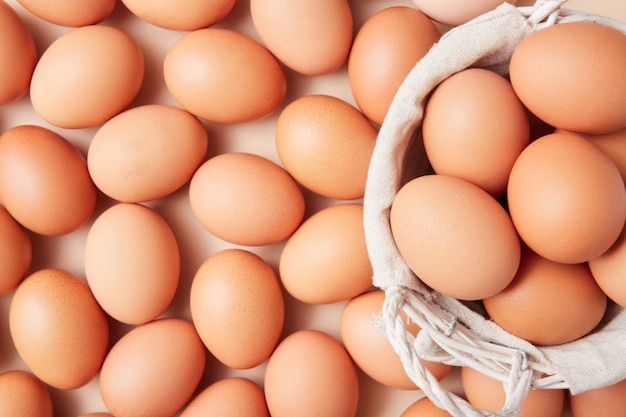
(453, 332)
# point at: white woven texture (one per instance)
(451, 331)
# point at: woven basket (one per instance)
(454, 332)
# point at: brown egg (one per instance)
(384, 51)
(326, 144)
(73, 13)
(591, 96)
(224, 76)
(474, 128)
(606, 401)
(548, 303)
(16, 252)
(325, 260)
(311, 374)
(18, 55)
(246, 199)
(146, 153)
(86, 76)
(457, 12)
(44, 181)
(607, 269)
(229, 397)
(455, 236)
(132, 262)
(424, 408)
(182, 15)
(486, 393)
(154, 369)
(312, 38)
(566, 198)
(237, 307)
(58, 328)
(371, 350)
(23, 395)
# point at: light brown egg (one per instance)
(424, 407)
(154, 369)
(246, 199)
(456, 12)
(44, 181)
(371, 350)
(455, 236)
(385, 49)
(548, 303)
(58, 328)
(326, 144)
(237, 307)
(311, 374)
(312, 38)
(224, 76)
(566, 198)
(16, 252)
(146, 153)
(606, 401)
(86, 76)
(132, 262)
(182, 15)
(22, 394)
(72, 13)
(229, 397)
(607, 269)
(18, 55)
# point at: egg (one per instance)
(456, 12)
(385, 49)
(58, 328)
(224, 76)
(312, 38)
(181, 15)
(566, 198)
(371, 350)
(588, 98)
(607, 270)
(606, 401)
(132, 262)
(613, 145)
(229, 397)
(23, 394)
(326, 144)
(424, 407)
(146, 153)
(16, 252)
(548, 303)
(326, 261)
(246, 199)
(474, 128)
(73, 13)
(86, 76)
(18, 55)
(44, 181)
(455, 236)
(154, 369)
(311, 374)
(237, 307)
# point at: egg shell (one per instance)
(456, 12)
(22, 394)
(605, 401)
(58, 328)
(73, 13)
(455, 236)
(566, 198)
(224, 76)
(18, 55)
(246, 199)
(588, 98)
(44, 181)
(86, 76)
(237, 307)
(146, 153)
(548, 303)
(386, 47)
(312, 38)
(424, 407)
(474, 128)
(132, 262)
(326, 144)
(229, 397)
(371, 350)
(311, 374)
(607, 269)
(181, 15)
(154, 369)
(16, 252)
(486, 393)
